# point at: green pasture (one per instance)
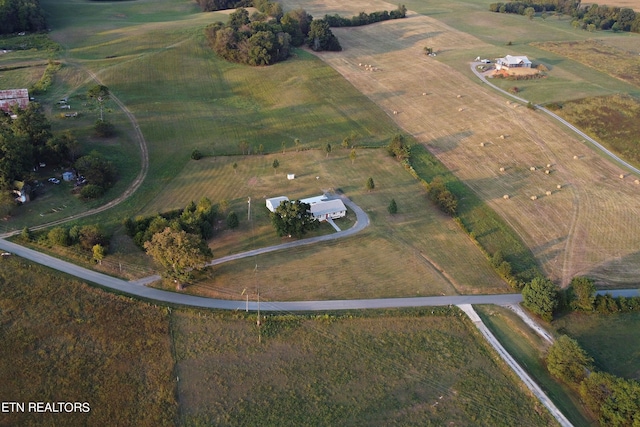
(64, 341)
(418, 251)
(396, 367)
(528, 349)
(567, 79)
(607, 338)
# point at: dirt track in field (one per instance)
(586, 227)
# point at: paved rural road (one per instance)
(558, 118)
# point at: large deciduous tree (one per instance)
(293, 218)
(179, 253)
(567, 361)
(321, 37)
(583, 294)
(541, 296)
(99, 93)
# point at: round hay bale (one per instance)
(482, 144)
(424, 93)
(547, 171)
(460, 109)
(501, 136)
(508, 102)
(360, 64)
(501, 169)
(548, 193)
(395, 113)
(459, 96)
(558, 186)
(534, 197)
(548, 165)
(575, 157)
(532, 168)
(621, 176)
(506, 196)
(637, 181)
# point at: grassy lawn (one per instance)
(528, 349)
(64, 341)
(608, 339)
(396, 367)
(415, 252)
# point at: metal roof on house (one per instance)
(514, 60)
(327, 206)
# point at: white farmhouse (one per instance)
(274, 202)
(509, 62)
(333, 209)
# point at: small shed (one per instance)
(274, 202)
(291, 176)
(68, 176)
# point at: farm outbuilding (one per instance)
(510, 61)
(274, 202)
(11, 97)
(68, 176)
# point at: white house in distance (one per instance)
(509, 62)
(274, 202)
(322, 207)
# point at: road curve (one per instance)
(362, 221)
(137, 182)
(560, 119)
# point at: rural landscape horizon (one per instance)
(155, 132)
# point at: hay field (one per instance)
(415, 252)
(588, 222)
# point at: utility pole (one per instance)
(249, 210)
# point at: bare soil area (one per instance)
(583, 216)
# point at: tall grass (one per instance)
(405, 368)
(64, 341)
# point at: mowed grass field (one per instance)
(415, 252)
(607, 339)
(568, 231)
(400, 368)
(64, 341)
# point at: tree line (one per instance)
(21, 15)
(366, 18)
(591, 17)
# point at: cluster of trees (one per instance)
(544, 298)
(196, 219)
(604, 17)
(99, 173)
(258, 42)
(399, 148)
(21, 15)
(616, 401)
(442, 196)
(365, 18)
(89, 238)
(293, 218)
